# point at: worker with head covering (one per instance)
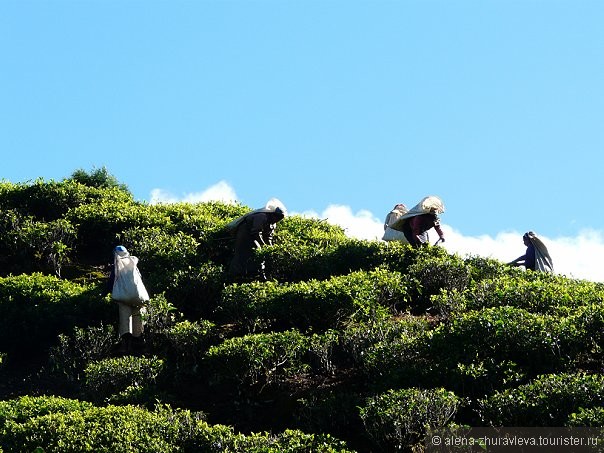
(536, 257)
(253, 231)
(128, 290)
(416, 222)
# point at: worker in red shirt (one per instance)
(416, 228)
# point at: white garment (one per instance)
(391, 234)
(428, 204)
(130, 319)
(129, 292)
(128, 284)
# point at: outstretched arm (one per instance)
(518, 261)
(438, 229)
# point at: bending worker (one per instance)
(416, 223)
(536, 257)
(253, 231)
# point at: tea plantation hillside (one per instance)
(349, 346)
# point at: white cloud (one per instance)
(575, 257)
(221, 191)
(362, 225)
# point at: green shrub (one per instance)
(27, 407)
(398, 419)
(304, 261)
(332, 411)
(593, 417)
(318, 304)
(101, 224)
(196, 291)
(448, 304)
(299, 230)
(160, 250)
(500, 334)
(112, 429)
(482, 268)
(28, 245)
(473, 353)
(312, 249)
(201, 220)
(188, 341)
(173, 262)
(114, 378)
(582, 337)
(98, 177)
(290, 441)
(401, 257)
(538, 294)
(258, 359)
(51, 200)
(73, 353)
(435, 274)
(159, 317)
(373, 340)
(35, 309)
(401, 361)
(549, 400)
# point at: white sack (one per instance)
(128, 285)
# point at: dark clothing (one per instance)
(416, 228)
(255, 231)
(536, 257)
(528, 258)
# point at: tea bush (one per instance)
(26, 407)
(368, 341)
(258, 359)
(112, 429)
(290, 440)
(200, 220)
(398, 362)
(101, 224)
(499, 334)
(357, 296)
(51, 200)
(482, 268)
(473, 353)
(582, 337)
(169, 263)
(593, 417)
(114, 378)
(29, 245)
(299, 262)
(541, 294)
(435, 274)
(326, 344)
(196, 291)
(188, 342)
(36, 308)
(548, 400)
(333, 411)
(73, 353)
(398, 419)
(294, 230)
(400, 257)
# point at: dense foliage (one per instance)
(348, 346)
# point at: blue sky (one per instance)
(339, 108)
